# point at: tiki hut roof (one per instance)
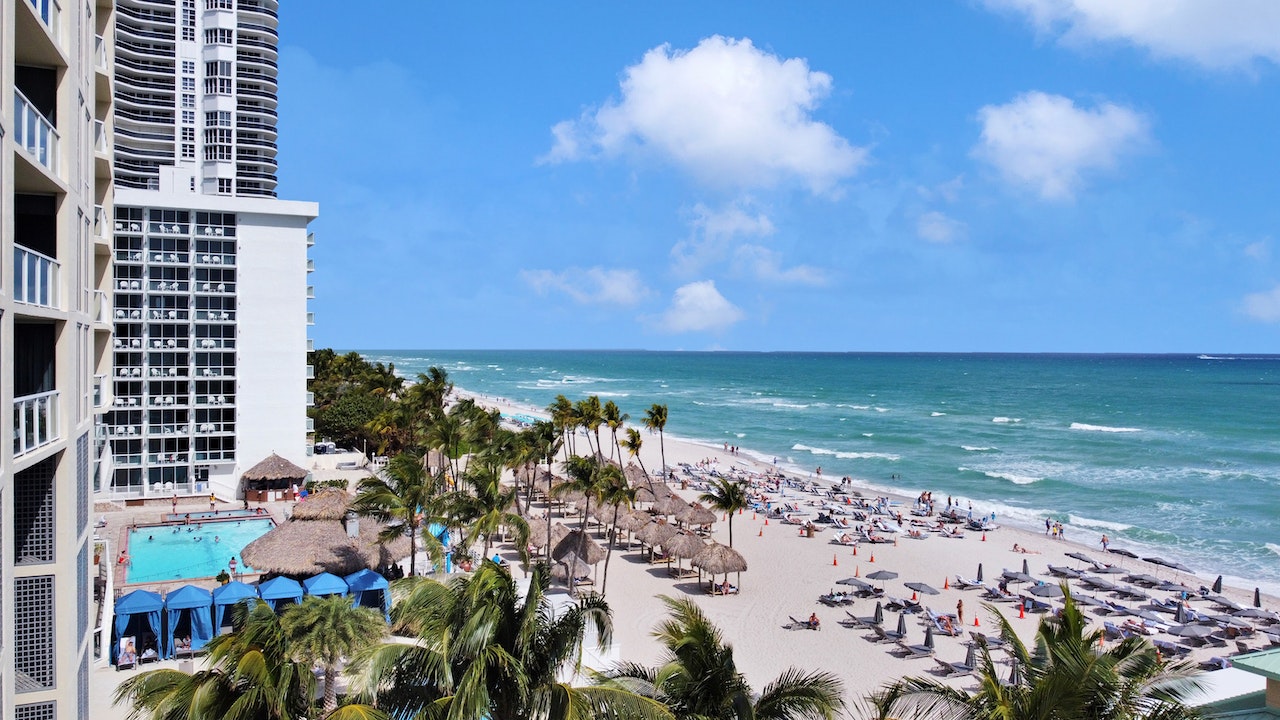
(717, 559)
(633, 521)
(635, 475)
(684, 545)
(695, 514)
(306, 547)
(274, 469)
(560, 571)
(671, 505)
(538, 533)
(655, 533)
(324, 504)
(577, 543)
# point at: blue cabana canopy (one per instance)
(369, 589)
(198, 603)
(142, 603)
(280, 588)
(228, 595)
(325, 584)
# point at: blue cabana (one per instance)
(280, 588)
(369, 589)
(325, 584)
(226, 596)
(141, 609)
(197, 605)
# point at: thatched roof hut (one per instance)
(317, 540)
(695, 514)
(577, 543)
(655, 533)
(719, 559)
(538, 533)
(273, 473)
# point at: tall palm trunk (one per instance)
(604, 583)
(662, 446)
(549, 480)
(330, 688)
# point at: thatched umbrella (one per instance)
(683, 545)
(670, 505)
(317, 540)
(577, 543)
(695, 514)
(570, 567)
(635, 476)
(655, 533)
(717, 559)
(273, 473)
(538, 533)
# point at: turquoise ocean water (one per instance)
(1177, 455)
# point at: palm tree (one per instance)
(324, 630)
(561, 412)
(482, 649)
(591, 417)
(699, 680)
(548, 442)
(445, 434)
(614, 491)
(1065, 676)
(615, 419)
(727, 496)
(584, 477)
(400, 495)
(633, 444)
(655, 418)
(486, 507)
(252, 675)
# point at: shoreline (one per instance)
(787, 572)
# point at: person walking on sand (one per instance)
(1047, 526)
(1105, 542)
(960, 611)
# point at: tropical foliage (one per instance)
(323, 631)
(482, 649)
(698, 678)
(1066, 674)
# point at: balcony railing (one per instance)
(34, 132)
(311, 292)
(47, 11)
(35, 422)
(311, 399)
(35, 278)
(311, 318)
(100, 52)
(101, 307)
(311, 372)
(311, 265)
(100, 391)
(100, 136)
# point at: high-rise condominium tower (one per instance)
(210, 277)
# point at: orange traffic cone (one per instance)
(753, 514)
(984, 537)
(766, 521)
(834, 561)
(913, 596)
(1022, 611)
(855, 551)
(873, 557)
(946, 583)
(761, 533)
(975, 621)
(726, 517)
(857, 571)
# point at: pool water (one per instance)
(161, 553)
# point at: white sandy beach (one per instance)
(788, 572)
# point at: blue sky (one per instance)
(1001, 175)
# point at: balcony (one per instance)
(311, 399)
(35, 422)
(101, 308)
(311, 239)
(48, 12)
(311, 265)
(311, 345)
(100, 137)
(311, 425)
(101, 389)
(311, 318)
(311, 372)
(35, 278)
(100, 53)
(311, 292)
(34, 132)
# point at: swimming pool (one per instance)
(211, 515)
(161, 553)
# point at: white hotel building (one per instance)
(55, 275)
(210, 270)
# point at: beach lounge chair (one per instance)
(1170, 650)
(989, 641)
(868, 621)
(1113, 632)
(904, 605)
(836, 599)
(924, 649)
(793, 519)
(801, 625)
(882, 636)
(995, 593)
(845, 538)
(963, 583)
(958, 669)
(944, 624)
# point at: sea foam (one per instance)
(977, 448)
(1103, 428)
(1093, 523)
(936, 414)
(1014, 478)
(1005, 420)
(845, 455)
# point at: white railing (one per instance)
(311, 318)
(311, 292)
(34, 132)
(35, 277)
(100, 52)
(99, 224)
(100, 391)
(311, 266)
(311, 425)
(47, 11)
(100, 136)
(35, 421)
(311, 372)
(311, 399)
(102, 307)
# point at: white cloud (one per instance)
(698, 306)
(713, 233)
(590, 286)
(938, 228)
(948, 191)
(1217, 34)
(1260, 251)
(766, 265)
(726, 112)
(1263, 306)
(1047, 143)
